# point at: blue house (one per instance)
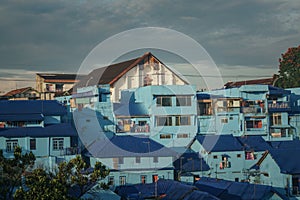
(246, 110)
(133, 159)
(40, 127)
(189, 167)
(224, 155)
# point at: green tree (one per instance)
(72, 174)
(289, 69)
(11, 171)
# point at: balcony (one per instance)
(279, 106)
(134, 129)
(253, 110)
(70, 151)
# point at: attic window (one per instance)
(147, 80)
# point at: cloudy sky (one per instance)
(244, 38)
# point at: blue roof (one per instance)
(128, 146)
(190, 162)
(219, 143)
(166, 189)
(55, 130)
(292, 144)
(255, 143)
(22, 117)
(130, 109)
(234, 190)
(208, 96)
(278, 91)
(288, 160)
(45, 107)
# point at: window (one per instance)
(155, 159)
(182, 120)
(111, 180)
(154, 178)
(137, 159)
(224, 163)
(254, 124)
(183, 101)
(215, 157)
(59, 87)
(250, 155)
(276, 119)
(182, 135)
(205, 107)
(164, 121)
(233, 103)
(164, 101)
(143, 179)
(122, 180)
(32, 144)
(224, 120)
(121, 160)
(165, 136)
(11, 145)
(58, 144)
(238, 155)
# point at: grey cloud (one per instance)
(57, 35)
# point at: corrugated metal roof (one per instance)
(265, 81)
(45, 107)
(190, 162)
(255, 143)
(21, 117)
(292, 144)
(129, 146)
(235, 190)
(288, 164)
(164, 189)
(219, 143)
(48, 76)
(55, 130)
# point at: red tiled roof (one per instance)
(265, 81)
(110, 74)
(17, 91)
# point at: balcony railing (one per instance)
(135, 129)
(279, 106)
(70, 151)
(253, 110)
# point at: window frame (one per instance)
(143, 179)
(122, 180)
(163, 101)
(179, 119)
(183, 100)
(11, 145)
(32, 144)
(58, 144)
(164, 121)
